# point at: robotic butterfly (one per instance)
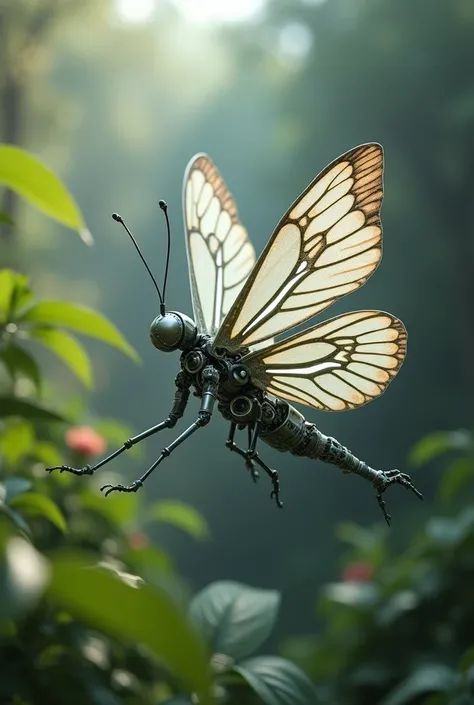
(326, 245)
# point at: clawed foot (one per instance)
(122, 488)
(275, 493)
(87, 470)
(393, 477)
(254, 474)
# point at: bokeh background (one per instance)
(117, 95)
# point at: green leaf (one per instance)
(180, 515)
(33, 181)
(117, 513)
(426, 679)
(68, 349)
(37, 505)
(143, 615)
(15, 486)
(277, 681)
(17, 440)
(23, 575)
(47, 453)
(12, 406)
(439, 442)
(17, 360)
(80, 319)
(5, 219)
(7, 287)
(234, 619)
(456, 476)
(16, 518)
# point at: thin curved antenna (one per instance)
(118, 218)
(164, 207)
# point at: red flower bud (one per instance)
(358, 571)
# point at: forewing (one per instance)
(337, 365)
(326, 245)
(220, 255)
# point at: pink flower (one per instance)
(138, 540)
(358, 572)
(85, 440)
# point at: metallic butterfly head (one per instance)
(173, 331)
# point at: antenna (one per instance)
(118, 218)
(164, 207)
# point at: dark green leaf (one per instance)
(277, 681)
(12, 406)
(234, 619)
(426, 679)
(18, 361)
(23, 575)
(181, 515)
(435, 444)
(467, 660)
(37, 505)
(143, 615)
(80, 319)
(68, 349)
(5, 219)
(456, 476)
(450, 532)
(32, 180)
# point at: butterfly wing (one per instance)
(337, 365)
(220, 255)
(326, 245)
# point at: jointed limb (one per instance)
(208, 399)
(251, 456)
(177, 410)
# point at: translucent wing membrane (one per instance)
(220, 255)
(337, 365)
(326, 245)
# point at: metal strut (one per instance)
(251, 458)
(178, 408)
(208, 399)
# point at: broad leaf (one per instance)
(456, 476)
(80, 319)
(15, 486)
(18, 361)
(439, 442)
(31, 179)
(68, 349)
(142, 615)
(17, 440)
(33, 504)
(182, 516)
(234, 619)
(277, 681)
(12, 406)
(426, 679)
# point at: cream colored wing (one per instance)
(337, 365)
(327, 244)
(220, 255)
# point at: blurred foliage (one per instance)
(399, 628)
(90, 611)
